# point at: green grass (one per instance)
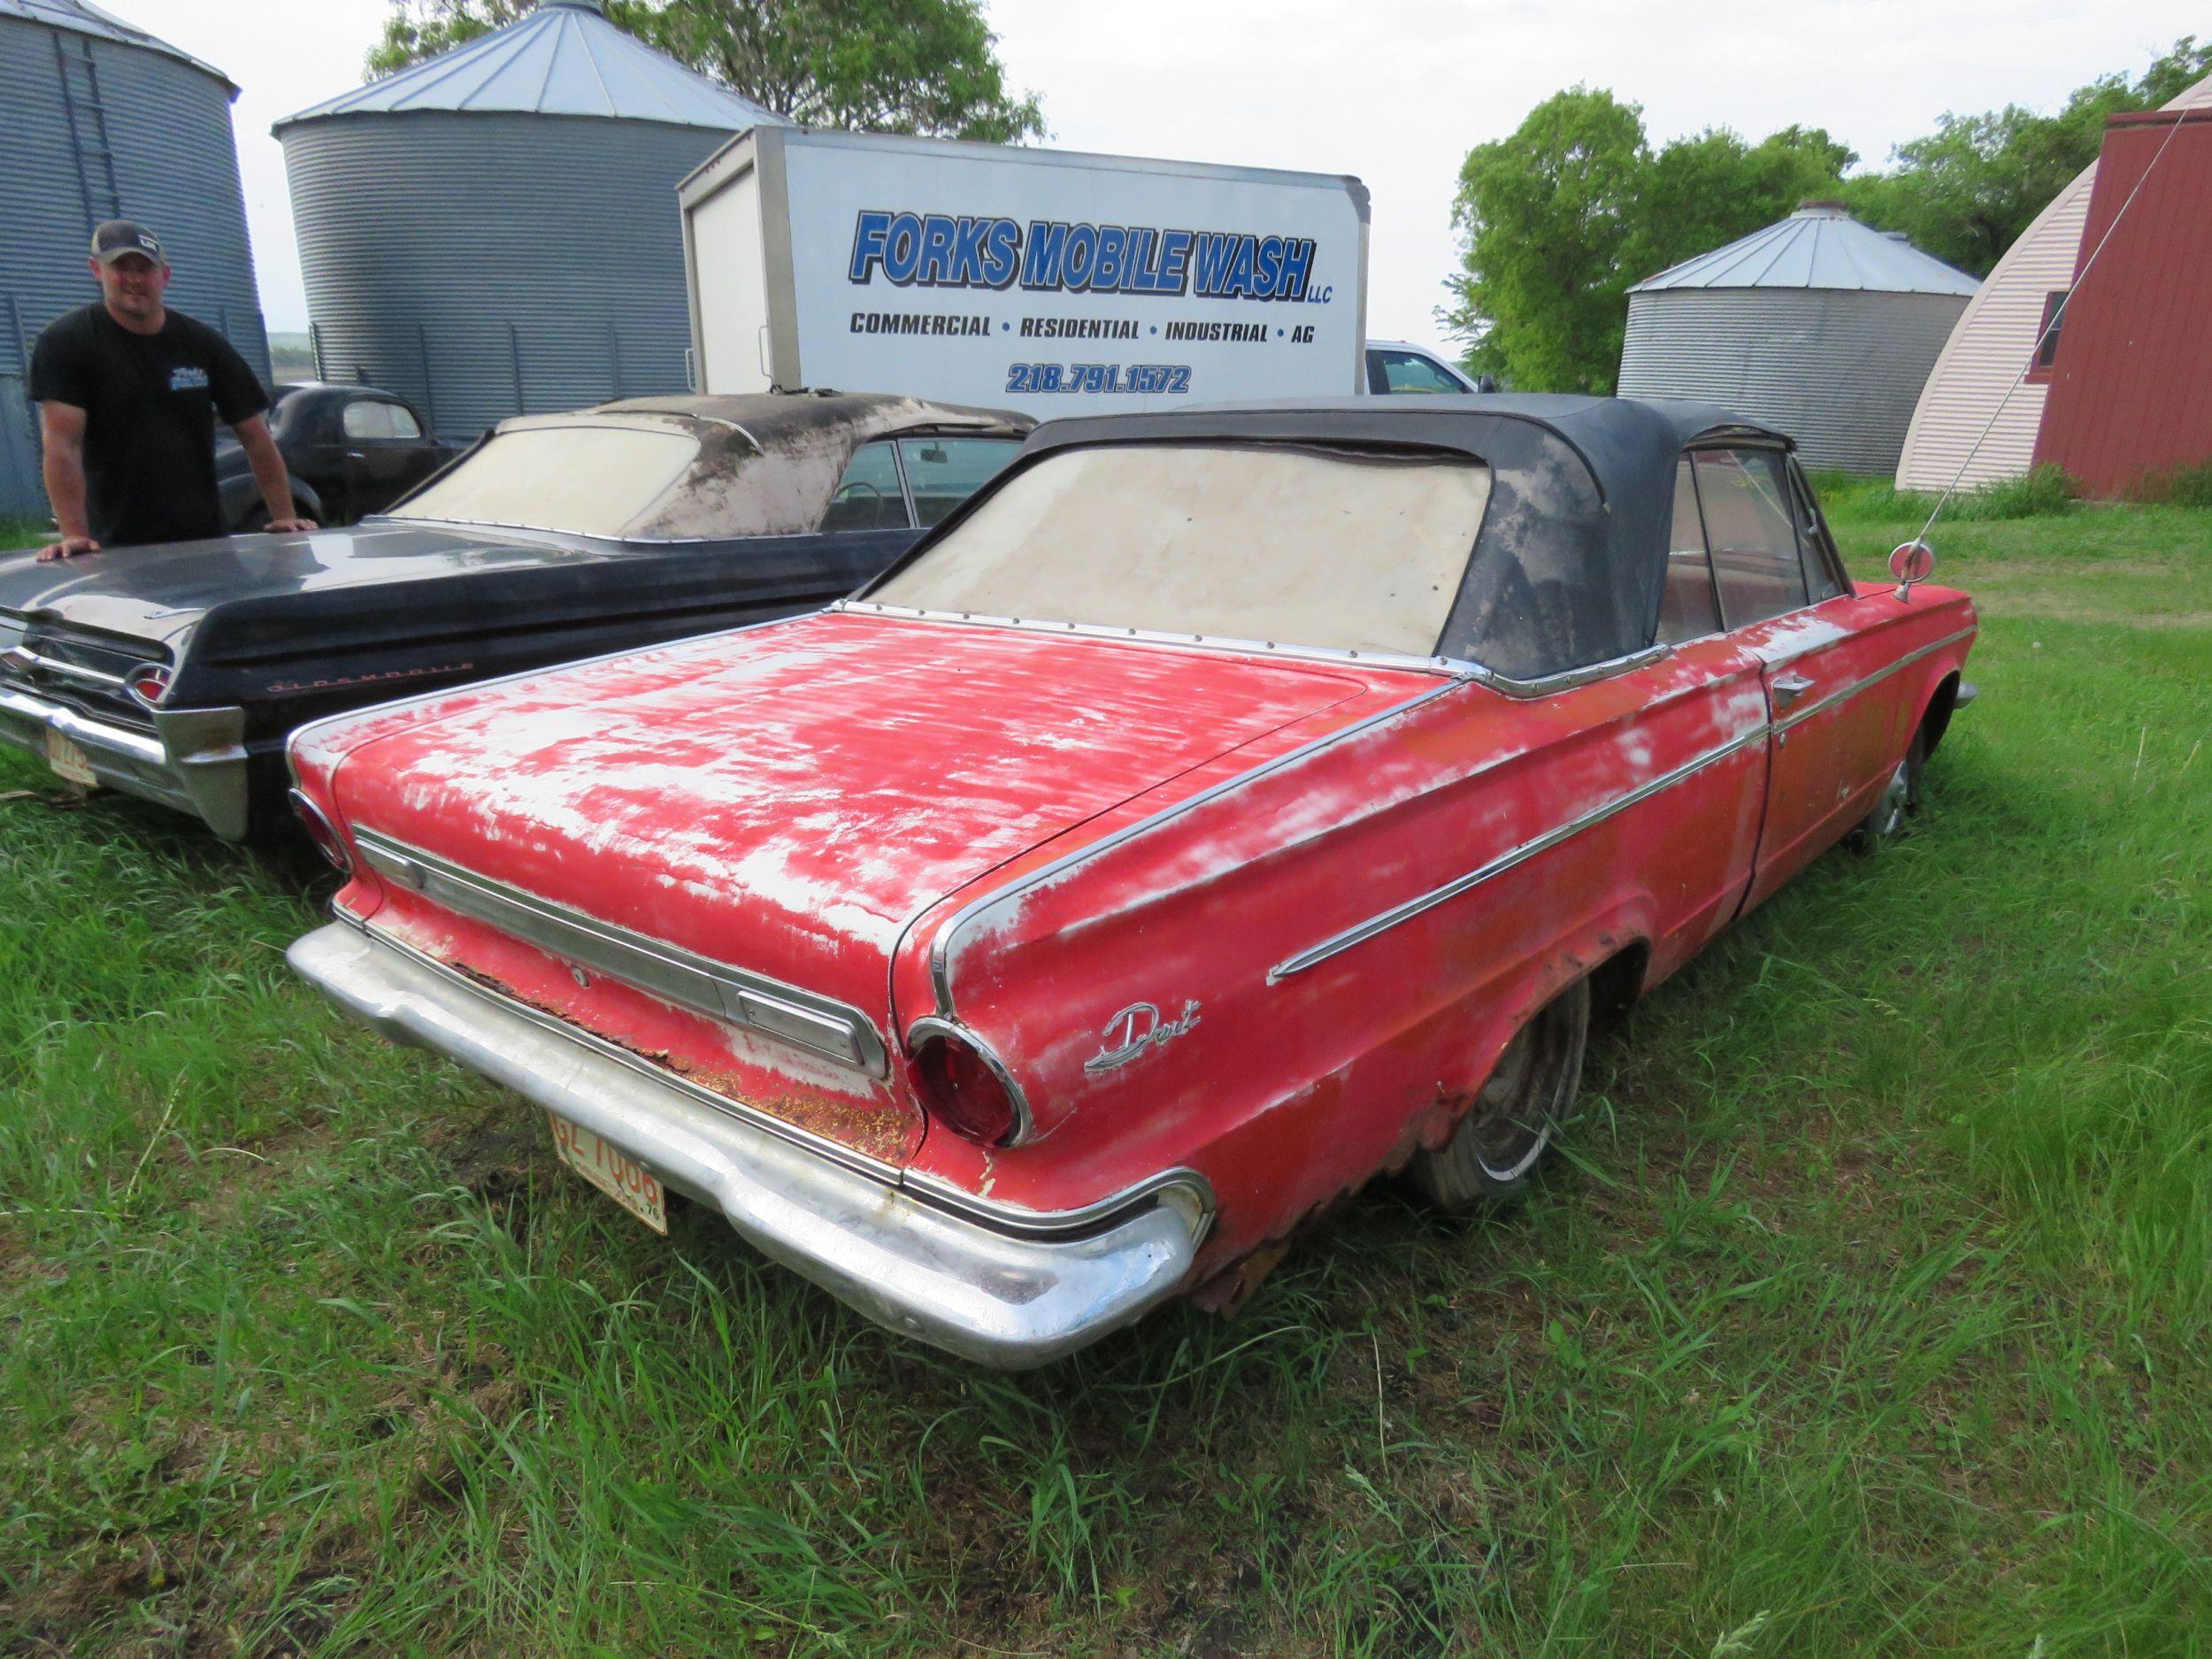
(2042, 492)
(1869, 1317)
(16, 532)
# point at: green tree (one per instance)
(1965, 192)
(1560, 218)
(1545, 214)
(927, 66)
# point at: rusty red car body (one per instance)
(1233, 925)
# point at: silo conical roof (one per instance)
(85, 19)
(563, 58)
(1819, 246)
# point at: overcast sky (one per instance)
(1395, 91)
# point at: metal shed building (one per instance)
(103, 121)
(1983, 403)
(494, 231)
(1818, 326)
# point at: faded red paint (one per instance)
(2131, 391)
(893, 776)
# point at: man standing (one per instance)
(127, 393)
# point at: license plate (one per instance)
(69, 764)
(613, 1172)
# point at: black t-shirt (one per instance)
(151, 403)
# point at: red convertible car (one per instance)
(1222, 807)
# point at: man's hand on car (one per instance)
(288, 526)
(68, 547)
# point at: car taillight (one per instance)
(323, 832)
(963, 1089)
(148, 683)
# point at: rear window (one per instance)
(589, 481)
(1287, 546)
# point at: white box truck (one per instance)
(1038, 280)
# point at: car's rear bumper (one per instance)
(193, 760)
(1005, 1287)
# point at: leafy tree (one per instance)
(1559, 219)
(926, 66)
(1966, 191)
(1545, 214)
(1564, 216)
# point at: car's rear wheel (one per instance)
(1529, 1094)
(1899, 799)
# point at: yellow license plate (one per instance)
(613, 1172)
(70, 762)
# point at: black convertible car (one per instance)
(175, 672)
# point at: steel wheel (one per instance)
(1529, 1095)
(1899, 800)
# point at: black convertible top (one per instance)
(1571, 563)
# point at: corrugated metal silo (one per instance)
(103, 121)
(1818, 326)
(495, 231)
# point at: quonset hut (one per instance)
(103, 121)
(494, 232)
(1817, 326)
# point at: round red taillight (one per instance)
(963, 1088)
(323, 832)
(148, 683)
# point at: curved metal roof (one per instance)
(563, 58)
(1819, 246)
(85, 19)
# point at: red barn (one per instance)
(2130, 371)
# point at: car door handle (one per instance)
(1789, 688)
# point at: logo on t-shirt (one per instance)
(187, 379)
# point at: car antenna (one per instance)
(1916, 555)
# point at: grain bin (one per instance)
(1817, 326)
(103, 121)
(494, 231)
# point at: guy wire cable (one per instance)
(2057, 317)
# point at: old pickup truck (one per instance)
(1224, 806)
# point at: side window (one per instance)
(869, 496)
(366, 419)
(942, 473)
(1410, 372)
(1751, 533)
(1688, 611)
(404, 423)
(1823, 567)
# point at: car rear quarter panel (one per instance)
(1290, 1089)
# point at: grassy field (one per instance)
(1869, 1317)
(20, 532)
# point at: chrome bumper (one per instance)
(1002, 1287)
(195, 760)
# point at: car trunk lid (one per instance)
(788, 800)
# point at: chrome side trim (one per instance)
(1798, 716)
(1568, 680)
(820, 1025)
(1361, 931)
(1185, 641)
(821, 1146)
(929, 1025)
(941, 946)
(1181, 1187)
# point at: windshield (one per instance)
(1291, 547)
(589, 481)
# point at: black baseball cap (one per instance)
(120, 236)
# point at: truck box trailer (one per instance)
(1039, 280)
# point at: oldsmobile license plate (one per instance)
(71, 763)
(613, 1172)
